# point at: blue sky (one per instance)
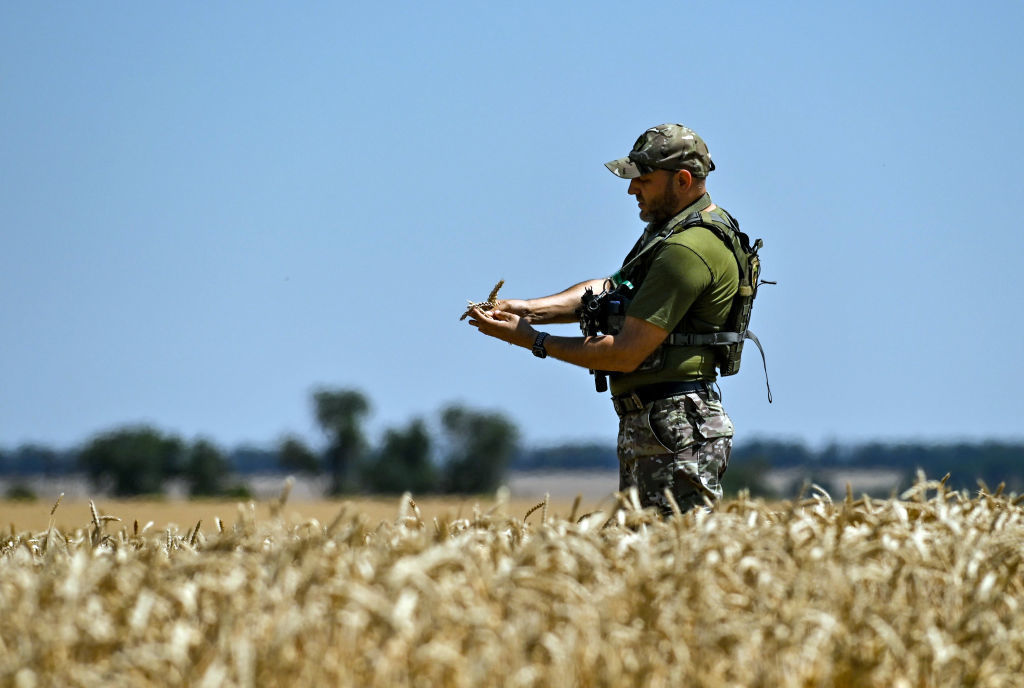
(209, 210)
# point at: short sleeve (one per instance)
(676, 278)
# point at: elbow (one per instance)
(630, 361)
(634, 356)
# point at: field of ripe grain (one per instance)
(927, 590)
(182, 514)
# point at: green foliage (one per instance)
(43, 459)
(238, 491)
(479, 448)
(967, 463)
(294, 455)
(402, 463)
(748, 475)
(777, 453)
(569, 456)
(132, 461)
(205, 469)
(340, 414)
(19, 492)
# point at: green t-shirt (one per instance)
(693, 278)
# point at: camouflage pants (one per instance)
(681, 443)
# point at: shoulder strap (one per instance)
(691, 220)
(725, 227)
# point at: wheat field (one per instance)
(924, 590)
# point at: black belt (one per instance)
(641, 396)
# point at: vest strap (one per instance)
(694, 219)
(720, 339)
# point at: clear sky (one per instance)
(207, 210)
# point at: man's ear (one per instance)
(684, 179)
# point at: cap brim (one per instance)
(624, 167)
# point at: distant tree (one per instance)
(250, 459)
(294, 455)
(206, 469)
(238, 491)
(479, 448)
(402, 463)
(748, 475)
(35, 459)
(779, 454)
(589, 456)
(132, 460)
(340, 414)
(20, 492)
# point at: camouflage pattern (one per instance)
(667, 147)
(681, 443)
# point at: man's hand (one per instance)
(546, 310)
(504, 325)
(518, 307)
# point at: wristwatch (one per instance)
(538, 345)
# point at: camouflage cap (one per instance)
(666, 147)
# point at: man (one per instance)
(681, 279)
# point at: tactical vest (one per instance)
(727, 339)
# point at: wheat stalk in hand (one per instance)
(488, 305)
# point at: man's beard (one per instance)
(660, 209)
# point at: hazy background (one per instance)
(208, 210)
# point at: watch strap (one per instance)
(538, 345)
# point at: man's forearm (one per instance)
(621, 352)
(595, 353)
(560, 307)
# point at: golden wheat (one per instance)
(926, 590)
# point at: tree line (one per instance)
(991, 463)
(469, 456)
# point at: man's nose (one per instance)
(634, 188)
